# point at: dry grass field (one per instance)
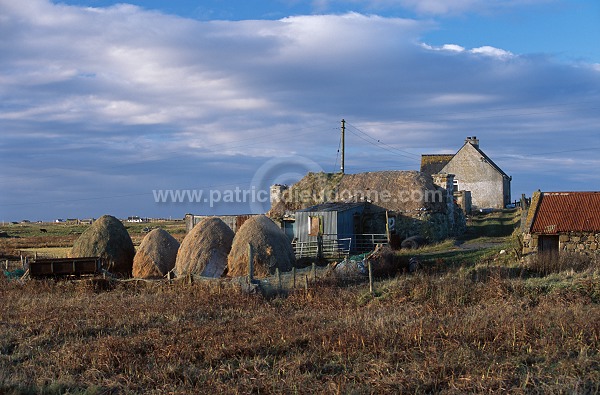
(471, 321)
(54, 240)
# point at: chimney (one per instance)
(474, 141)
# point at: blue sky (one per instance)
(102, 103)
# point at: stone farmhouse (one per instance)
(563, 222)
(474, 173)
(416, 203)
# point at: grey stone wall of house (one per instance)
(434, 225)
(431, 225)
(506, 190)
(473, 173)
(445, 181)
(584, 243)
(463, 199)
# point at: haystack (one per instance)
(271, 248)
(204, 250)
(107, 238)
(156, 255)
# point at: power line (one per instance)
(337, 155)
(378, 141)
(380, 146)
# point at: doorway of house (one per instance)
(548, 243)
(548, 250)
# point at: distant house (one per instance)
(136, 219)
(473, 171)
(563, 221)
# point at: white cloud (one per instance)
(491, 51)
(485, 50)
(443, 7)
(99, 88)
(445, 47)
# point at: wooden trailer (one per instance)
(65, 267)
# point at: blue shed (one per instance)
(338, 223)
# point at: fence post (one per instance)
(319, 246)
(387, 226)
(250, 264)
(294, 277)
(370, 277)
(314, 271)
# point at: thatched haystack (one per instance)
(204, 249)
(107, 238)
(156, 255)
(271, 248)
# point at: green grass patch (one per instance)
(495, 224)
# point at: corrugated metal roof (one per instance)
(567, 212)
(333, 206)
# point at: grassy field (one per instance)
(474, 320)
(56, 239)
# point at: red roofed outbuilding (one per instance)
(563, 221)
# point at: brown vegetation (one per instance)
(545, 263)
(421, 333)
(10, 248)
(472, 321)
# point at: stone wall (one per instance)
(588, 243)
(463, 200)
(452, 221)
(585, 243)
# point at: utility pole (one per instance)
(343, 145)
